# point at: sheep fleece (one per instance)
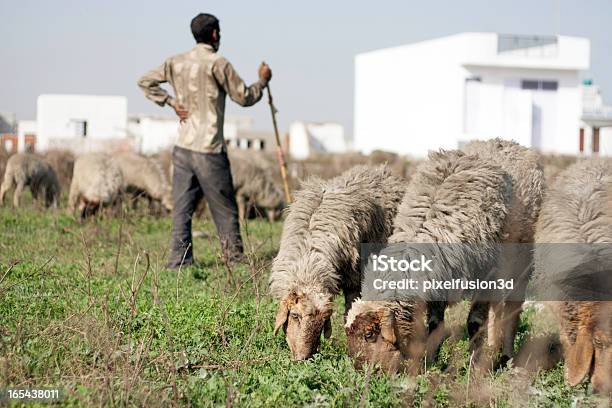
(96, 179)
(320, 243)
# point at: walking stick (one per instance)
(279, 151)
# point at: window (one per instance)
(80, 127)
(527, 84)
(536, 84)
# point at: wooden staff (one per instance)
(279, 150)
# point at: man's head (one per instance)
(205, 29)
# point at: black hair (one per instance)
(202, 27)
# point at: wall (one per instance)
(152, 134)
(506, 110)
(306, 139)
(409, 99)
(26, 127)
(106, 118)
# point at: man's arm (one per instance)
(149, 83)
(234, 86)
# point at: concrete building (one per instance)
(82, 123)
(445, 92)
(596, 122)
(8, 121)
(26, 135)
(152, 133)
(306, 139)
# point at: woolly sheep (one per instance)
(578, 209)
(62, 161)
(319, 251)
(26, 169)
(488, 194)
(97, 182)
(144, 176)
(255, 186)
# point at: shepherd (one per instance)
(201, 78)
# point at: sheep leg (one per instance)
(241, 207)
(478, 317)
(7, 184)
(506, 328)
(73, 196)
(42, 196)
(435, 328)
(17, 194)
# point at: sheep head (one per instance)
(303, 318)
(386, 334)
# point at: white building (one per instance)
(152, 133)
(306, 139)
(26, 135)
(445, 92)
(82, 122)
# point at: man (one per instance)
(201, 79)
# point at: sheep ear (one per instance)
(327, 328)
(281, 316)
(578, 358)
(387, 326)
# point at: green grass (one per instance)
(89, 307)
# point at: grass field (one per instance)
(90, 308)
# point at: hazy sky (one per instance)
(103, 47)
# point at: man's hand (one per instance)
(265, 73)
(181, 112)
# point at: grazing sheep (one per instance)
(97, 182)
(255, 186)
(62, 162)
(144, 177)
(578, 209)
(164, 159)
(4, 156)
(26, 169)
(486, 195)
(319, 251)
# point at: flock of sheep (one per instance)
(99, 180)
(486, 194)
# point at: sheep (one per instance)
(97, 182)
(577, 209)
(319, 251)
(489, 193)
(26, 169)
(62, 162)
(144, 176)
(255, 186)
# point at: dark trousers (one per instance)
(198, 175)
